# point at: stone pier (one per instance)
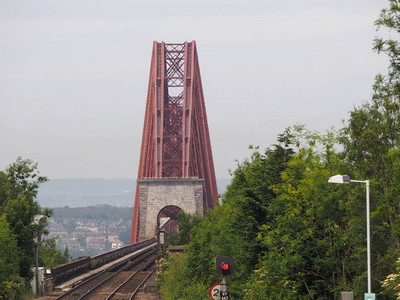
(157, 194)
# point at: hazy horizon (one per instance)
(74, 76)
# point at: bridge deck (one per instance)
(66, 286)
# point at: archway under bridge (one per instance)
(159, 196)
(170, 211)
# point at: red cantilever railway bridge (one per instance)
(176, 148)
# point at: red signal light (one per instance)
(225, 266)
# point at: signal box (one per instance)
(224, 265)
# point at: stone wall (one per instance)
(155, 194)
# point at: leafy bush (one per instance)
(174, 284)
(93, 264)
(14, 288)
(391, 285)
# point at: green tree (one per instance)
(50, 256)
(11, 284)
(22, 179)
(302, 246)
(251, 193)
(19, 214)
(372, 147)
(186, 222)
(19, 184)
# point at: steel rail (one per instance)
(68, 293)
(127, 266)
(134, 274)
(122, 266)
(140, 285)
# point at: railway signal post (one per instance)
(224, 267)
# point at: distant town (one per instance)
(90, 230)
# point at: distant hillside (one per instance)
(77, 192)
(98, 212)
(87, 192)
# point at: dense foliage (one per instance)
(50, 256)
(293, 235)
(19, 185)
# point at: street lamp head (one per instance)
(37, 218)
(339, 179)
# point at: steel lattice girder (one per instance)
(175, 141)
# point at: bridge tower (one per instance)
(176, 169)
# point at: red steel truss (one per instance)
(175, 140)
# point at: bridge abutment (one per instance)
(156, 194)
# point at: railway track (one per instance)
(122, 282)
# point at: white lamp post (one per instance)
(346, 179)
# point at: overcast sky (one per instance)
(74, 74)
